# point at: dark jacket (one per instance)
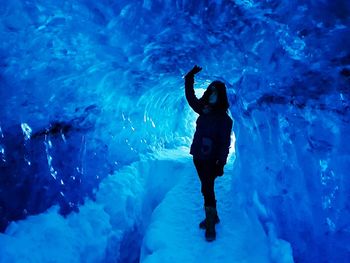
(212, 138)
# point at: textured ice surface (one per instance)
(174, 236)
(105, 230)
(87, 87)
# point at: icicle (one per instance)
(48, 146)
(27, 131)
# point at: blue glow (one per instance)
(93, 116)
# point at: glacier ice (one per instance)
(92, 100)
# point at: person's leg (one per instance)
(199, 164)
(206, 174)
(209, 188)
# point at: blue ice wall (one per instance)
(89, 86)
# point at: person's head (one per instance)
(216, 96)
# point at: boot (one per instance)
(203, 224)
(210, 233)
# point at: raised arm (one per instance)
(189, 90)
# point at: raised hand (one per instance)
(194, 70)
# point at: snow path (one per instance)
(174, 236)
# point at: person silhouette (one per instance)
(211, 142)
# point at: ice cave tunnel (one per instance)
(95, 130)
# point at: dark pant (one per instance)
(206, 172)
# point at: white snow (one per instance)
(158, 196)
(174, 235)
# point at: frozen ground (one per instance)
(107, 229)
(159, 198)
(174, 235)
